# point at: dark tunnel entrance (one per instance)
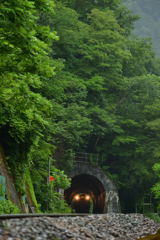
(86, 194)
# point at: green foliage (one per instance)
(23, 109)
(156, 186)
(115, 106)
(141, 61)
(30, 190)
(83, 7)
(93, 53)
(57, 204)
(94, 88)
(24, 63)
(7, 207)
(154, 216)
(61, 180)
(48, 193)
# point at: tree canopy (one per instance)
(74, 79)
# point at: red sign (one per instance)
(51, 178)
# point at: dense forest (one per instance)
(75, 79)
(148, 25)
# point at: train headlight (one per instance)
(77, 197)
(87, 197)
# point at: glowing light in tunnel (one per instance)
(77, 197)
(87, 197)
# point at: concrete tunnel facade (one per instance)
(91, 181)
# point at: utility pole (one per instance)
(49, 169)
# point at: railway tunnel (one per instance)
(91, 191)
(84, 189)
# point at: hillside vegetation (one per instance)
(73, 80)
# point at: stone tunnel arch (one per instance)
(90, 180)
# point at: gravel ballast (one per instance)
(94, 227)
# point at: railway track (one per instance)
(85, 226)
(31, 215)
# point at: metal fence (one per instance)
(89, 158)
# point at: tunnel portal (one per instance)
(86, 194)
(91, 190)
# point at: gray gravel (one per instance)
(94, 227)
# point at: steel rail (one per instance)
(31, 215)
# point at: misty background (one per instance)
(148, 26)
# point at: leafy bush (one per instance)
(7, 207)
(49, 194)
(58, 205)
(154, 216)
(61, 179)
